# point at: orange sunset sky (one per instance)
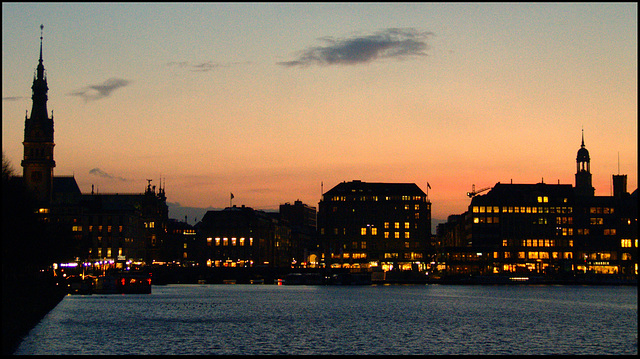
(275, 102)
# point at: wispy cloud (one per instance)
(362, 49)
(195, 67)
(100, 173)
(13, 98)
(201, 66)
(100, 91)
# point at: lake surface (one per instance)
(393, 319)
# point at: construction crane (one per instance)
(474, 192)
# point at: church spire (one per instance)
(38, 162)
(40, 89)
(583, 171)
(40, 65)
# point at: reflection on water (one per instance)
(269, 319)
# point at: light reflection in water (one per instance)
(270, 319)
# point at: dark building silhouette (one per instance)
(182, 247)
(38, 142)
(583, 172)
(123, 227)
(244, 237)
(544, 229)
(104, 228)
(375, 226)
(302, 221)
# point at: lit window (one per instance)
(225, 241)
(406, 235)
(504, 242)
(363, 231)
(386, 235)
(625, 243)
(184, 246)
(397, 225)
(233, 241)
(386, 225)
(396, 234)
(374, 231)
(596, 221)
(406, 225)
(241, 241)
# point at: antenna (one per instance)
(618, 162)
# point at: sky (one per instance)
(278, 102)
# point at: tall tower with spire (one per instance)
(38, 143)
(584, 186)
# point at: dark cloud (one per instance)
(97, 92)
(389, 43)
(199, 67)
(100, 173)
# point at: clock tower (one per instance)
(38, 143)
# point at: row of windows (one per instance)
(39, 152)
(99, 228)
(520, 209)
(108, 252)
(538, 242)
(603, 210)
(376, 198)
(225, 241)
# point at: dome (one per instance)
(583, 155)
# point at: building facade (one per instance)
(90, 227)
(244, 237)
(544, 229)
(375, 226)
(123, 227)
(302, 220)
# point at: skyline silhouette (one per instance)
(254, 99)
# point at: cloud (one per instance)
(97, 92)
(13, 98)
(100, 173)
(200, 67)
(388, 43)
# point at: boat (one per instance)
(112, 283)
(78, 284)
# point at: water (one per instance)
(271, 319)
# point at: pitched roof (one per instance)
(375, 188)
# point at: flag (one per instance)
(428, 185)
(231, 195)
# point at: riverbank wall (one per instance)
(25, 301)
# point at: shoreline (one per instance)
(24, 306)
